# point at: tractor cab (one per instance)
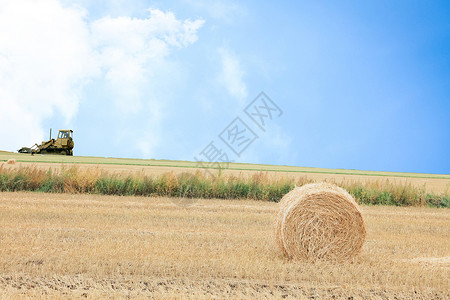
(65, 139)
(65, 134)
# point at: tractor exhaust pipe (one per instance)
(50, 133)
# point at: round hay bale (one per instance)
(11, 161)
(319, 221)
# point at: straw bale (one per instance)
(319, 221)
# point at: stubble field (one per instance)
(63, 245)
(94, 246)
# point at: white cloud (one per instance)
(49, 52)
(45, 59)
(232, 75)
(131, 50)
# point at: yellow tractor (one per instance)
(63, 145)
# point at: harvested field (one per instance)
(94, 246)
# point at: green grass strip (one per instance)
(259, 186)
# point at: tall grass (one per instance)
(260, 186)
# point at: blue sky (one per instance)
(362, 85)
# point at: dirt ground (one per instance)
(63, 245)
